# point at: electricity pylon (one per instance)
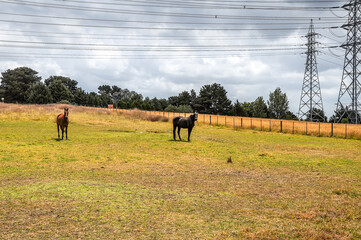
(348, 104)
(311, 106)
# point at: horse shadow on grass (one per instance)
(181, 141)
(59, 139)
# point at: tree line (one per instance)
(23, 85)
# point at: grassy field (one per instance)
(123, 178)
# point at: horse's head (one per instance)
(66, 113)
(194, 117)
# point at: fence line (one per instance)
(318, 129)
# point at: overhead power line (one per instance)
(157, 28)
(253, 18)
(204, 5)
(134, 12)
(160, 28)
(138, 56)
(141, 46)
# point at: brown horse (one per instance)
(183, 122)
(62, 120)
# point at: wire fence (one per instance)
(320, 129)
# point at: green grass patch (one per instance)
(123, 178)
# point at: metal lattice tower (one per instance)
(311, 107)
(348, 104)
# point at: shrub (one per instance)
(63, 102)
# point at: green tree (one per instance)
(343, 115)
(193, 99)
(291, 116)
(317, 116)
(248, 109)
(184, 98)
(39, 93)
(170, 108)
(260, 109)
(60, 92)
(278, 104)
(105, 100)
(15, 83)
(105, 89)
(184, 109)
(145, 106)
(156, 105)
(93, 100)
(136, 104)
(133, 96)
(164, 103)
(213, 99)
(179, 109)
(122, 104)
(237, 109)
(70, 84)
(173, 100)
(2, 92)
(80, 97)
(116, 94)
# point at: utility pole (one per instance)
(311, 106)
(348, 104)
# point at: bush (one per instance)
(63, 102)
(170, 108)
(344, 120)
(180, 109)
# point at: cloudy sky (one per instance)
(160, 48)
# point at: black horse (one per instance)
(183, 122)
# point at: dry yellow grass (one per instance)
(352, 131)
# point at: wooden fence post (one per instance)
(210, 120)
(251, 123)
(270, 128)
(225, 121)
(234, 123)
(331, 129)
(217, 120)
(293, 127)
(281, 126)
(241, 122)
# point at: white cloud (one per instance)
(244, 74)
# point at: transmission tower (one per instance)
(311, 107)
(348, 104)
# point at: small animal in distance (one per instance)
(62, 121)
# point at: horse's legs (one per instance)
(66, 132)
(174, 128)
(179, 128)
(189, 134)
(58, 132)
(62, 132)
